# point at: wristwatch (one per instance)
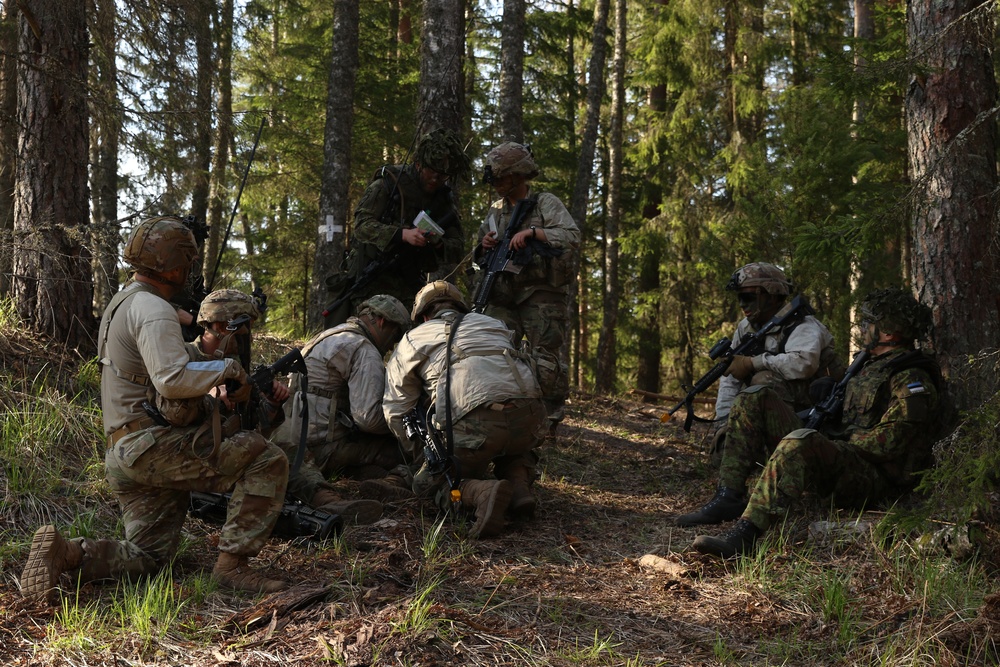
(534, 234)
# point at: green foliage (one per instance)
(148, 608)
(964, 476)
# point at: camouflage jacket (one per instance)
(797, 352)
(550, 274)
(388, 206)
(143, 355)
(346, 375)
(485, 369)
(890, 413)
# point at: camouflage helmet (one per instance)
(442, 151)
(225, 305)
(510, 158)
(389, 307)
(159, 245)
(767, 277)
(436, 292)
(894, 311)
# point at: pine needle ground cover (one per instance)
(570, 587)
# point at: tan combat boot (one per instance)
(386, 489)
(359, 511)
(50, 556)
(522, 501)
(233, 572)
(490, 499)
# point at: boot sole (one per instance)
(40, 578)
(491, 522)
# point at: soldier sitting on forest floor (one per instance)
(884, 438)
(218, 310)
(152, 465)
(462, 369)
(793, 356)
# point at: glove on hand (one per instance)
(741, 367)
(239, 394)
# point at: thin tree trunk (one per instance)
(607, 359)
(585, 164)
(203, 108)
(512, 71)
(105, 132)
(219, 183)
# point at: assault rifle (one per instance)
(422, 434)
(749, 346)
(294, 520)
(254, 413)
(828, 410)
(500, 257)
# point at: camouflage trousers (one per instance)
(152, 472)
(764, 431)
(541, 320)
(504, 434)
(329, 459)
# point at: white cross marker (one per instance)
(330, 229)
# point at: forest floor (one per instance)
(565, 588)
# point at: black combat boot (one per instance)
(727, 505)
(737, 541)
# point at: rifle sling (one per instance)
(449, 433)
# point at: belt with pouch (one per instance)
(139, 424)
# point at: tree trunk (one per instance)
(333, 196)
(585, 168)
(8, 139)
(202, 121)
(951, 123)
(607, 360)
(219, 187)
(53, 285)
(441, 56)
(105, 132)
(512, 71)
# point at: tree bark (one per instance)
(8, 139)
(441, 57)
(53, 285)
(202, 121)
(607, 359)
(105, 133)
(512, 71)
(219, 183)
(584, 170)
(333, 196)
(951, 122)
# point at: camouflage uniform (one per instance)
(346, 382)
(533, 303)
(390, 204)
(888, 429)
(793, 356)
(497, 415)
(153, 468)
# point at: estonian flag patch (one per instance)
(916, 387)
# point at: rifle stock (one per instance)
(749, 346)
